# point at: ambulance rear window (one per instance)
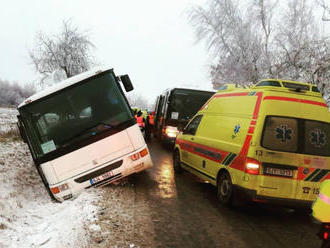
(317, 135)
(295, 86)
(296, 135)
(315, 89)
(280, 134)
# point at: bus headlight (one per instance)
(139, 154)
(60, 188)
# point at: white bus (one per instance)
(81, 133)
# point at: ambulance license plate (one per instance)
(101, 178)
(278, 172)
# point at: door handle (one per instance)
(192, 138)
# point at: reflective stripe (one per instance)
(324, 198)
(151, 120)
(139, 120)
(290, 99)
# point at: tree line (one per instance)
(12, 94)
(255, 39)
(249, 40)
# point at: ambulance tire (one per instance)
(225, 189)
(177, 162)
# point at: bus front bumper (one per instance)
(100, 177)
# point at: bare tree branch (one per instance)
(69, 51)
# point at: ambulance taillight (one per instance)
(252, 166)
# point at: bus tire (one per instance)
(225, 189)
(177, 162)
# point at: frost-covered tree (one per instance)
(322, 70)
(12, 94)
(69, 51)
(326, 9)
(137, 100)
(249, 42)
(239, 36)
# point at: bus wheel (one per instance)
(225, 189)
(177, 162)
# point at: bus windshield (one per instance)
(185, 103)
(76, 114)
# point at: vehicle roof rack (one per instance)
(287, 85)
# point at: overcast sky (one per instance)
(151, 40)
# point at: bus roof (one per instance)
(64, 84)
(189, 89)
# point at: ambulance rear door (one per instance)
(280, 162)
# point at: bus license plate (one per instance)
(102, 177)
(278, 172)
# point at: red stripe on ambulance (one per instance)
(290, 99)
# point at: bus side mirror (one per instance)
(21, 129)
(126, 82)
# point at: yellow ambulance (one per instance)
(266, 143)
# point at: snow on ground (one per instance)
(102, 217)
(8, 119)
(28, 217)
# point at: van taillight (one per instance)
(325, 235)
(252, 166)
(325, 232)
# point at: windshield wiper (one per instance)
(106, 125)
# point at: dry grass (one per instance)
(12, 134)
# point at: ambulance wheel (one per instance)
(177, 162)
(225, 189)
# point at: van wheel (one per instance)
(225, 189)
(177, 162)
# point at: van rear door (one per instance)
(280, 165)
(315, 162)
(297, 151)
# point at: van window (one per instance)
(317, 135)
(295, 86)
(315, 89)
(269, 83)
(280, 134)
(193, 125)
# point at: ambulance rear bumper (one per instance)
(251, 195)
